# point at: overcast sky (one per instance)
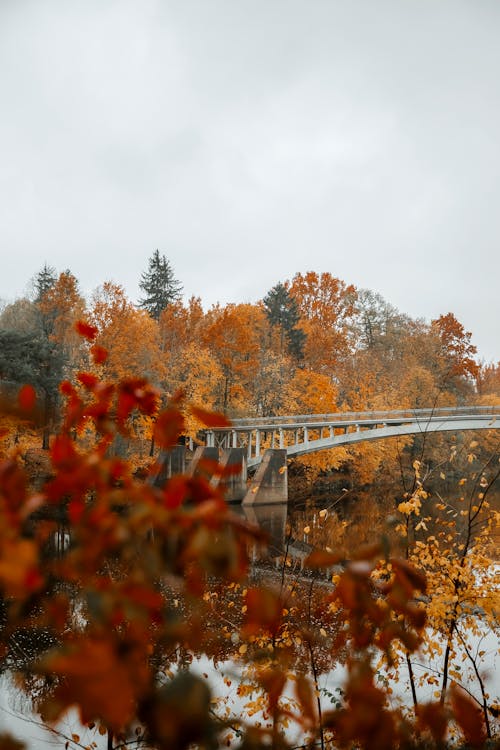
(251, 139)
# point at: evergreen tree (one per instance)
(159, 286)
(282, 312)
(43, 281)
(29, 357)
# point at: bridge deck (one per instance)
(306, 433)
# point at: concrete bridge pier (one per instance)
(270, 483)
(170, 462)
(201, 454)
(233, 481)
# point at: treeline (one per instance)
(313, 344)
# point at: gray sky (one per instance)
(251, 139)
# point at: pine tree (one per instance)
(43, 281)
(282, 312)
(159, 285)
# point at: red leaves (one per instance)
(273, 681)
(364, 722)
(63, 453)
(86, 330)
(434, 717)
(88, 380)
(135, 393)
(12, 486)
(264, 610)
(19, 573)
(27, 398)
(373, 607)
(468, 716)
(408, 576)
(209, 418)
(99, 354)
(168, 426)
(322, 559)
(305, 696)
(7, 742)
(102, 679)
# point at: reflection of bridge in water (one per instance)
(267, 442)
(273, 520)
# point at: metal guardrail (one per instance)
(367, 417)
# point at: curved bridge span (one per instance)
(307, 433)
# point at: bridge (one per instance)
(267, 442)
(308, 433)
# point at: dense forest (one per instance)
(313, 344)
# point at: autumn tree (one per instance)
(22, 315)
(131, 339)
(488, 379)
(159, 285)
(60, 306)
(456, 348)
(373, 320)
(129, 335)
(180, 325)
(190, 365)
(235, 334)
(449, 535)
(326, 307)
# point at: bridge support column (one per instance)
(257, 444)
(270, 484)
(202, 453)
(170, 462)
(234, 474)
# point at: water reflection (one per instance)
(271, 519)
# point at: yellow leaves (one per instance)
(245, 689)
(421, 525)
(413, 505)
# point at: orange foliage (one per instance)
(137, 549)
(326, 305)
(457, 349)
(235, 334)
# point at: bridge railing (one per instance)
(364, 416)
